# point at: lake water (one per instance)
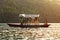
(11, 33)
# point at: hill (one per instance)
(10, 9)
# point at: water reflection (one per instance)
(11, 33)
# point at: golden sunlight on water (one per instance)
(11, 33)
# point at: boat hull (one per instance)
(25, 26)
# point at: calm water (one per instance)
(11, 33)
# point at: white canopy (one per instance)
(29, 15)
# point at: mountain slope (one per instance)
(10, 9)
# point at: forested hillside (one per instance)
(10, 10)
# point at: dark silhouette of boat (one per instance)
(30, 26)
(30, 18)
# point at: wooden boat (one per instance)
(30, 26)
(34, 18)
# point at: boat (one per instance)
(29, 20)
(26, 26)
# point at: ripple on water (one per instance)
(11, 33)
